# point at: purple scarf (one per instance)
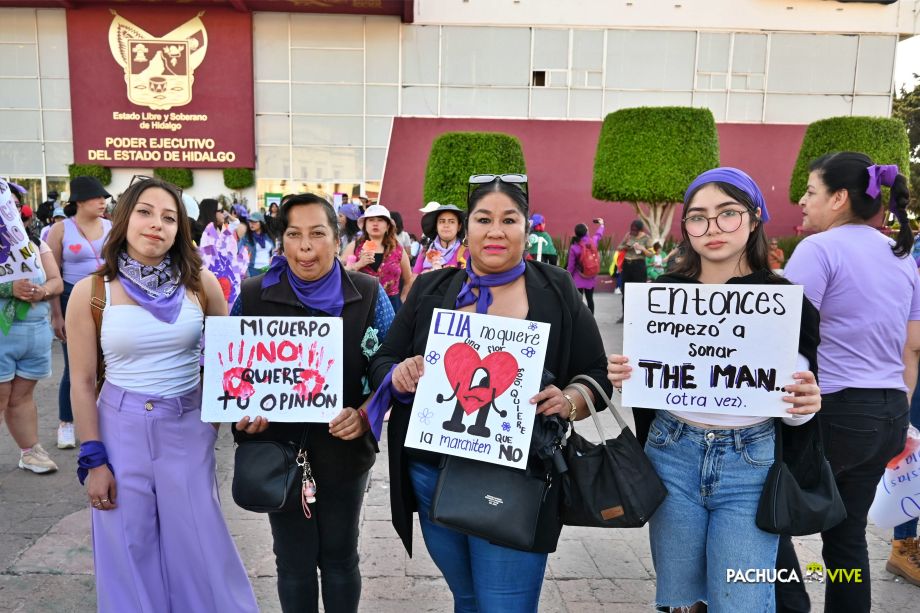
(259, 237)
(153, 288)
(446, 252)
(381, 401)
(483, 283)
(324, 294)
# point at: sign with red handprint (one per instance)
(282, 368)
(473, 399)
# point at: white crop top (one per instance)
(144, 354)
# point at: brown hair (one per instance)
(185, 259)
(389, 238)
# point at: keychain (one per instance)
(308, 483)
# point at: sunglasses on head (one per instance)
(142, 178)
(518, 180)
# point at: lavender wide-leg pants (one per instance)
(166, 547)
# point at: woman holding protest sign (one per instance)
(715, 465)
(160, 542)
(497, 281)
(870, 333)
(307, 279)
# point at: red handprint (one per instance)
(311, 379)
(233, 382)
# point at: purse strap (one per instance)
(778, 440)
(581, 383)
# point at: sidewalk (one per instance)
(46, 557)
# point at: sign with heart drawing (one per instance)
(473, 400)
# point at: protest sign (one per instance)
(481, 364)
(726, 349)
(19, 258)
(281, 368)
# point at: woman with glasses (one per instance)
(160, 542)
(868, 292)
(713, 465)
(377, 253)
(77, 247)
(497, 281)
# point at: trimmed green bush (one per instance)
(457, 155)
(882, 139)
(239, 178)
(180, 177)
(103, 173)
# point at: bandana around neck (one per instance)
(156, 289)
(483, 283)
(446, 252)
(324, 294)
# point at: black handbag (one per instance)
(266, 475)
(506, 506)
(800, 494)
(612, 484)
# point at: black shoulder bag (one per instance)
(268, 475)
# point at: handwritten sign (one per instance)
(283, 368)
(726, 349)
(19, 258)
(480, 373)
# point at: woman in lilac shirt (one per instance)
(868, 293)
(584, 281)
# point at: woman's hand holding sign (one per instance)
(806, 395)
(407, 374)
(257, 425)
(618, 370)
(349, 424)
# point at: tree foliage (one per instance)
(457, 155)
(881, 138)
(239, 178)
(103, 173)
(906, 107)
(180, 177)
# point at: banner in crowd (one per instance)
(897, 495)
(282, 368)
(726, 349)
(161, 86)
(473, 400)
(19, 258)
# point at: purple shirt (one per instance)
(81, 257)
(574, 253)
(866, 296)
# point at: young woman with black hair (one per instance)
(868, 293)
(584, 282)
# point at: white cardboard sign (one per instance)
(19, 258)
(473, 400)
(726, 349)
(286, 369)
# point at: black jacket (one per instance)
(330, 457)
(575, 347)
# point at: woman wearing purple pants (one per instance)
(160, 543)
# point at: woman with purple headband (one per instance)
(714, 466)
(868, 293)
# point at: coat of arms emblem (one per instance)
(159, 72)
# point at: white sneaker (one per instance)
(617, 291)
(66, 437)
(37, 460)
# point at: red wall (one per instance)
(560, 166)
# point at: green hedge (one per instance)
(103, 173)
(457, 155)
(651, 154)
(882, 139)
(180, 177)
(239, 178)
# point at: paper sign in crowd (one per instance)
(19, 258)
(726, 349)
(473, 399)
(287, 369)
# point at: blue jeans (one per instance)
(705, 527)
(483, 577)
(65, 411)
(908, 529)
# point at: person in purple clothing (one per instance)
(868, 293)
(583, 270)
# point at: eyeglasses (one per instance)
(728, 220)
(518, 180)
(142, 178)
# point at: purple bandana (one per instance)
(732, 176)
(446, 252)
(324, 294)
(381, 401)
(153, 288)
(880, 175)
(483, 283)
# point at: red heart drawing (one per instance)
(75, 248)
(477, 379)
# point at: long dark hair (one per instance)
(518, 197)
(581, 231)
(207, 213)
(849, 170)
(185, 259)
(755, 250)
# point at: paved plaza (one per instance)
(46, 558)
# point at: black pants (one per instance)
(634, 271)
(862, 430)
(550, 259)
(328, 541)
(589, 297)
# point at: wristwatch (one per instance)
(573, 410)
